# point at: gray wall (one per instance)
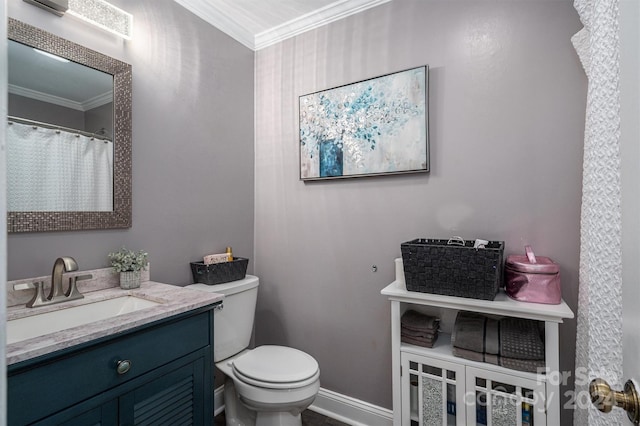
(99, 118)
(193, 150)
(507, 100)
(33, 109)
(91, 120)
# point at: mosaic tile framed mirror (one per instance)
(57, 166)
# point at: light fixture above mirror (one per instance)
(96, 12)
(57, 7)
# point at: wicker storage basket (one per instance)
(440, 267)
(218, 273)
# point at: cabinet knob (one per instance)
(123, 366)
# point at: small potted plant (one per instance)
(129, 264)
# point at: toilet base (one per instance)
(235, 413)
(240, 412)
(277, 418)
(278, 414)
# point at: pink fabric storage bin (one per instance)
(532, 278)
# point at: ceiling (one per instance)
(39, 76)
(261, 23)
(254, 23)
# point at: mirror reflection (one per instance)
(60, 134)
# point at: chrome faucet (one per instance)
(57, 295)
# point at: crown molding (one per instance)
(44, 97)
(57, 100)
(317, 18)
(97, 101)
(219, 19)
(323, 16)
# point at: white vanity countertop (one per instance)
(173, 300)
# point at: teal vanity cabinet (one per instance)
(159, 373)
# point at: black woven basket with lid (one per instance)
(218, 273)
(453, 267)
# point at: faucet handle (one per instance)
(83, 277)
(38, 296)
(72, 292)
(24, 286)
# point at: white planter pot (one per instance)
(129, 279)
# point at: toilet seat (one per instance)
(276, 367)
(277, 386)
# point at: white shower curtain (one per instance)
(55, 170)
(599, 333)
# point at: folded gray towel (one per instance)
(520, 338)
(419, 322)
(425, 338)
(467, 354)
(418, 342)
(528, 365)
(492, 336)
(476, 332)
(508, 337)
(414, 333)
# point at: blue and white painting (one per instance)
(372, 127)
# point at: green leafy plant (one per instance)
(128, 260)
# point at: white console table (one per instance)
(429, 384)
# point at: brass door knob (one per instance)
(604, 398)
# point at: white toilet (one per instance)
(273, 384)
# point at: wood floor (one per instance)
(309, 418)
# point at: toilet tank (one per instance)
(233, 324)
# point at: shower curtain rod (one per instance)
(11, 119)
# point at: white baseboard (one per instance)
(337, 406)
(350, 410)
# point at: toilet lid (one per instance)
(276, 364)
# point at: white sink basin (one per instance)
(49, 322)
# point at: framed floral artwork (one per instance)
(373, 127)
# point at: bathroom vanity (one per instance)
(153, 365)
(431, 386)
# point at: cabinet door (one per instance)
(105, 415)
(432, 392)
(92, 413)
(502, 399)
(178, 393)
(176, 398)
